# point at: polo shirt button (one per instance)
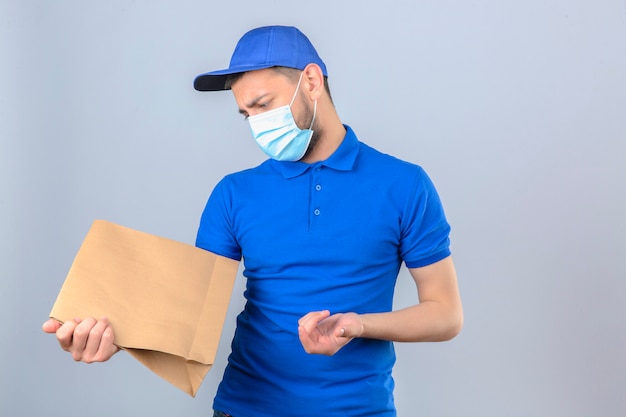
(318, 187)
(316, 212)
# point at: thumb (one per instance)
(351, 328)
(348, 332)
(51, 326)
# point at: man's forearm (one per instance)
(429, 321)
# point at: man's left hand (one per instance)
(324, 334)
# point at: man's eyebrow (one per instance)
(253, 103)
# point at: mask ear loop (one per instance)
(294, 98)
(314, 113)
(295, 93)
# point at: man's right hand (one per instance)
(88, 340)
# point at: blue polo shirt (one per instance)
(329, 235)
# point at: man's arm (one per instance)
(437, 317)
(88, 340)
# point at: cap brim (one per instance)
(216, 80)
(206, 82)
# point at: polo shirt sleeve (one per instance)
(425, 230)
(215, 233)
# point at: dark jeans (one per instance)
(220, 414)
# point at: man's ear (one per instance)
(314, 78)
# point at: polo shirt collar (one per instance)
(342, 159)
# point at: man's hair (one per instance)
(291, 73)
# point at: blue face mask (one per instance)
(276, 132)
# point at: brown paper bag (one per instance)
(166, 300)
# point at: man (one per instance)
(323, 227)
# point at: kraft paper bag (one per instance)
(166, 300)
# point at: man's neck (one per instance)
(330, 139)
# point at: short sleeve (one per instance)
(425, 230)
(215, 233)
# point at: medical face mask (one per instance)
(276, 132)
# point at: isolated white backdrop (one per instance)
(516, 109)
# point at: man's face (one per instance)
(262, 90)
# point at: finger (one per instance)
(303, 335)
(305, 340)
(311, 320)
(81, 337)
(98, 345)
(65, 334)
(305, 318)
(107, 345)
(50, 326)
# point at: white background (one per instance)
(517, 110)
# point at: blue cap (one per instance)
(264, 47)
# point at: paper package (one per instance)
(166, 300)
